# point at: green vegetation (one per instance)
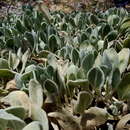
(66, 71)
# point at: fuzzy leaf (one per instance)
(24, 60)
(83, 102)
(35, 92)
(115, 78)
(52, 43)
(42, 7)
(39, 114)
(111, 36)
(17, 111)
(105, 30)
(78, 82)
(96, 77)
(51, 86)
(12, 121)
(88, 62)
(30, 37)
(94, 19)
(75, 56)
(4, 64)
(71, 72)
(20, 26)
(113, 20)
(124, 87)
(7, 74)
(35, 125)
(124, 56)
(126, 42)
(125, 25)
(13, 60)
(110, 58)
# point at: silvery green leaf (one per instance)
(53, 43)
(35, 125)
(125, 25)
(71, 72)
(43, 38)
(10, 43)
(78, 82)
(105, 29)
(83, 37)
(96, 77)
(94, 19)
(100, 44)
(35, 92)
(20, 26)
(88, 61)
(93, 39)
(59, 79)
(43, 54)
(77, 19)
(30, 68)
(7, 74)
(113, 20)
(68, 51)
(84, 45)
(83, 101)
(111, 36)
(3, 124)
(19, 81)
(24, 60)
(51, 86)
(62, 52)
(126, 42)
(51, 31)
(123, 12)
(42, 7)
(42, 45)
(95, 32)
(29, 73)
(30, 38)
(50, 70)
(26, 76)
(13, 60)
(4, 64)
(124, 87)
(80, 74)
(38, 114)
(19, 53)
(114, 78)
(124, 56)
(98, 60)
(110, 58)
(52, 61)
(8, 32)
(17, 111)
(105, 69)
(75, 56)
(13, 122)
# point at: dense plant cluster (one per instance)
(65, 71)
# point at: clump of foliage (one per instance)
(65, 71)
